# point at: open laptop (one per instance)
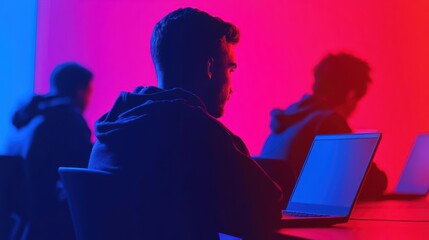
(330, 179)
(414, 180)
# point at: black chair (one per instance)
(12, 197)
(100, 206)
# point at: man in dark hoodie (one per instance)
(51, 132)
(341, 80)
(193, 177)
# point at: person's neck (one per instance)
(325, 100)
(340, 109)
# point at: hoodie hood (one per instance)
(283, 119)
(39, 105)
(132, 109)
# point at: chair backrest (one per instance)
(100, 206)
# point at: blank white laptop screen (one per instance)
(332, 174)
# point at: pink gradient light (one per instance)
(281, 43)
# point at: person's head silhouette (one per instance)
(342, 80)
(73, 81)
(194, 51)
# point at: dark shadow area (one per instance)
(12, 195)
(281, 172)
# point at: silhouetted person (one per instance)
(51, 132)
(341, 80)
(194, 177)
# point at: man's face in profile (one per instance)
(349, 106)
(220, 83)
(84, 96)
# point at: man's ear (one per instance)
(210, 67)
(351, 95)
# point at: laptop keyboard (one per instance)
(300, 214)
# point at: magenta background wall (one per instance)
(281, 43)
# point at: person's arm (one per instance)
(249, 201)
(77, 143)
(375, 183)
(278, 120)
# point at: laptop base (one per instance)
(313, 222)
(402, 196)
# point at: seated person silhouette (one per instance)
(341, 80)
(51, 132)
(194, 177)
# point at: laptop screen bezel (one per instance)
(322, 209)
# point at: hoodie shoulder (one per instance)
(146, 108)
(296, 112)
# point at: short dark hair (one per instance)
(184, 40)
(337, 74)
(68, 78)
